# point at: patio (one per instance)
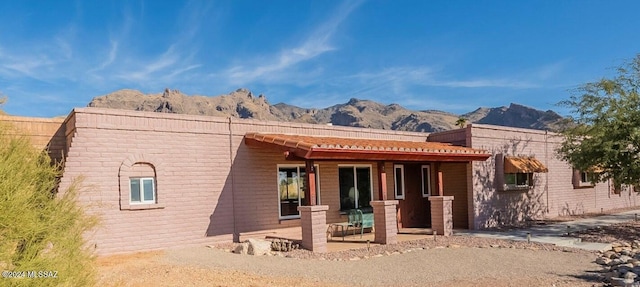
(351, 241)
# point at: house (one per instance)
(524, 179)
(160, 180)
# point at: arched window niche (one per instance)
(139, 183)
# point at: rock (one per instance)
(627, 266)
(453, 246)
(617, 281)
(609, 254)
(258, 247)
(610, 275)
(242, 248)
(495, 246)
(616, 261)
(603, 260)
(283, 245)
(625, 258)
(630, 275)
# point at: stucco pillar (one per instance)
(385, 221)
(313, 220)
(441, 214)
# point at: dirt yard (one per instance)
(453, 261)
(458, 261)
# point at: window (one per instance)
(518, 172)
(355, 187)
(585, 177)
(582, 179)
(515, 181)
(139, 186)
(398, 177)
(142, 190)
(291, 188)
(426, 181)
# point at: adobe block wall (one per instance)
(255, 172)
(44, 133)
(454, 183)
(191, 158)
(553, 194)
(455, 137)
(210, 185)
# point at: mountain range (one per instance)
(242, 103)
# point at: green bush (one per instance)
(41, 231)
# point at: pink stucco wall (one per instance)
(44, 133)
(553, 194)
(210, 185)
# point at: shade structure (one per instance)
(335, 148)
(523, 165)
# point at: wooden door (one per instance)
(414, 209)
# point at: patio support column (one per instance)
(382, 181)
(313, 220)
(310, 179)
(385, 221)
(441, 214)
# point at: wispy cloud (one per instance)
(113, 53)
(401, 78)
(130, 65)
(316, 44)
(484, 83)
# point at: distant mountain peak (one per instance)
(242, 103)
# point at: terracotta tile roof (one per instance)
(523, 165)
(306, 146)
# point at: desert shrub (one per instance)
(40, 230)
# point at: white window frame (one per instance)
(299, 167)
(587, 183)
(395, 181)
(426, 190)
(530, 178)
(354, 166)
(141, 184)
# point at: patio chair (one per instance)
(358, 221)
(354, 220)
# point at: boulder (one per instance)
(258, 247)
(243, 248)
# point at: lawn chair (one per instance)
(354, 220)
(358, 221)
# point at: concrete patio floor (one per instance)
(355, 242)
(351, 241)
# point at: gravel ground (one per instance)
(453, 261)
(621, 232)
(448, 261)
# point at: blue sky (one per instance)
(446, 55)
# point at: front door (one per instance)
(413, 203)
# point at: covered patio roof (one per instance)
(334, 148)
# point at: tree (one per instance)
(40, 230)
(461, 122)
(604, 130)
